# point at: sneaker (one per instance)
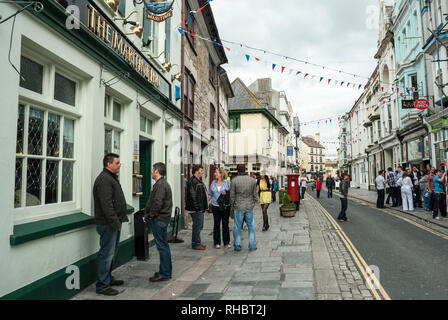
(437, 218)
(217, 246)
(228, 246)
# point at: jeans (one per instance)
(428, 202)
(219, 216)
(198, 223)
(240, 216)
(343, 213)
(158, 229)
(380, 200)
(303, 192)
(330, 192)
(439, 204)
(109, 240)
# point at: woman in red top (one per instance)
(318, 186)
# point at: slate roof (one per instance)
(310, 142)
(244, 99)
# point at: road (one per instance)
(413, 262)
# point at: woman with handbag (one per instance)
(219, 195)
(265, 198)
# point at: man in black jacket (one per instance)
(330, 186)
(158, 214)
(196, 203)
(110, 213)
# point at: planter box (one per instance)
(288, 212)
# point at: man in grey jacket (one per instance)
(158, 214)
(343, 188)
(110, 213)
(243, 197)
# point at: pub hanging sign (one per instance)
(159, 10)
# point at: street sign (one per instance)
(290, 151)
(408, 104)
(421, 104)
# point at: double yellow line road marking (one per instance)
(376, 288)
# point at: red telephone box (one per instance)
(293, 186)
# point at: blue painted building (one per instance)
(435, 47)
(411, 79)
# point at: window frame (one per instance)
(111, 124)
(45, 101)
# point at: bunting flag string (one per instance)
(306, 75)
(193, 12)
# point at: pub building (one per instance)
(69, 96)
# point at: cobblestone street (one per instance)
(299, 258)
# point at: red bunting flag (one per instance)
(365, 87)
(257, 59)
(283, 69)
(228, 48)
(306, 76)
(348, 84)
(329, 80)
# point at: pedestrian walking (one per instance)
(439, 195)
(380, 184)
(330, 184)
(110, 212)
(265, 199)
(302, 182)
(393, 192)
(274, 189)
(158, 215)
(318, 186)
(243, 197)
(406, 192)
(196, 204)
(343, 189)
(416, 176)
(219, 194)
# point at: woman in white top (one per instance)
(407, 189)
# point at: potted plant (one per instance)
(288, 208)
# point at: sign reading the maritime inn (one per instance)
(103, 28)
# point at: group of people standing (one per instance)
(413, 188)
(239, 195)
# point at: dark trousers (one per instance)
(273, 196)
(439, 204)
(389, 195)
(109, 241)
(330, 192)
(219, 216)
(343, 213)
(400, 199)
(380, 200)
(303, 192)
(318, 193)
(418, 197)
(393, 193)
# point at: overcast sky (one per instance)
(341, 34)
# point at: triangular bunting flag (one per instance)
(247, 57)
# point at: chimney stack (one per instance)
(317, 138)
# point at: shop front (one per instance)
(80, 94)
(439, 132)
(415, 148)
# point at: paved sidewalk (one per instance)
(299, 258)
(371, 197)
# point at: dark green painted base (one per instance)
(53, 287)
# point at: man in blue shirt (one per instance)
(439, 196)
